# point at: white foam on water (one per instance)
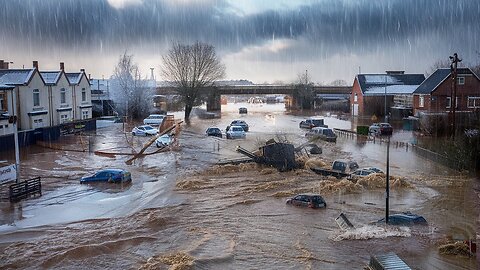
(372, 231)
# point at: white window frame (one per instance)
(2, 101)
(475, 100)
(460, 80)
(355, 98)
(63, 96)
(84, 94)
(63, 118)
(421, 101)
(36, 97)
(85, 115)
(449, 102)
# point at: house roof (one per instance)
(6, 87)
(15, 76)
(392, 84)
(74, 78)
(437, 77)
(51, 77)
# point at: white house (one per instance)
(81, 93)
(46, 98)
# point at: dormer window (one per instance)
(36, 97)
(63, 96)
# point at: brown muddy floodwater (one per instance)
(182, 211)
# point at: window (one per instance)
(449, 102)
(473, 102)
(63, 118)
(84, 94)
(85, 115)
(63, 98)
(421, 102)
(355, 98)
(36, 97)
(3, 105)
(461, 80)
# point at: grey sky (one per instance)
(263, 41)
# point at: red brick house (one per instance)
(370, 91)
(434, 94)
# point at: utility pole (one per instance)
(453, 99)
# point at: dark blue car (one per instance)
(109, 175)
(405, 219)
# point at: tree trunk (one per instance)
(188, 110)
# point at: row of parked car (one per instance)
(236, 130)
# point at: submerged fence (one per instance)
(423, 152)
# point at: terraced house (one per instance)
(43, 98)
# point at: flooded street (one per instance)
(183, 210)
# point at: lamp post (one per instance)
(385, 105)
(453, 100)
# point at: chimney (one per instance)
(82, 70)
(89, 76)
(5, 65)
(2, 64)
(395, 72)
(35, 64)
(62, 66)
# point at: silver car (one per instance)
(145, 130)
(236, 132)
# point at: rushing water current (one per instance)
(181, 210)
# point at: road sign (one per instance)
(8, 174)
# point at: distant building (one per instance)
(435, 93)
(371, 91)
(46, 98)
(101, 101)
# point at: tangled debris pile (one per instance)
(177, 261)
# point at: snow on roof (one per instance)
(74, 78)
(15, 76)
(391, 90)
(6, 87)
(50, 77)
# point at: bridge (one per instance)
(214, 93)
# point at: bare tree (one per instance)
(192, 68)
(130, 91)
(339, 82)
(304, 91)
(440, 63)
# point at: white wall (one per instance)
(56, 100)
(26, 104)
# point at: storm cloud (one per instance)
(298, 34)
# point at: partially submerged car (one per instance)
(242, 110)
(108, 175)
(163, 141)
(308, 200)
(380, 129)
(214, 131)
(323, 133)
(154, 119)
(344, 165)
(405, 218)
(311, 123)
(240, 123)
(236, 132)
(145, 130)
(361, 172)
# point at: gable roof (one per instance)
(51, 77)
(74, 77)
(437, 77)
(392, 84)
(16, 76)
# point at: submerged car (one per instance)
(145, 130)
(362, 172)
(154, 119)
(311, 123)
(380, 129)
(405, 218)
(163, 141)
(323, 133)
(214, 131)
(242, 110)
(240, 123)
(236, 132)
(108, 175)
(308, 200)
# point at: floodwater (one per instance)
(181, 210)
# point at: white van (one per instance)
(154, 119)
(323, 133)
